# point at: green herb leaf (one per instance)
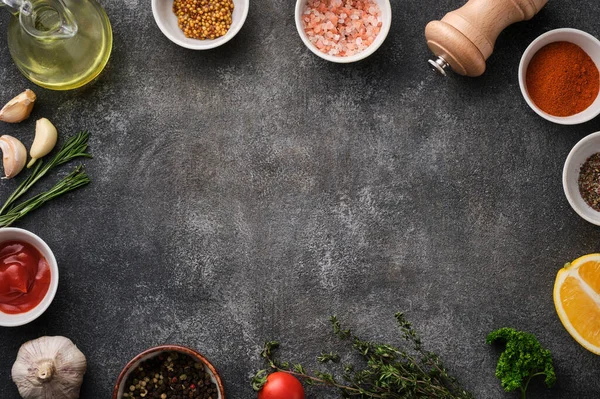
(387, 373)
(328, 357)
(74, 180)
(259, 380)
(74, 147)
(523, 359)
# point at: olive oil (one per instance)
(56, 57)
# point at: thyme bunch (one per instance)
(74, 147)
(387, 373)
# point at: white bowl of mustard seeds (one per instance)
(168, 23)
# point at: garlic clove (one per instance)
(45, 140)
(19, 108)
(14, 155)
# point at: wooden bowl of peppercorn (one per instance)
(169, 372)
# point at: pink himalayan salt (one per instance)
(341, 27)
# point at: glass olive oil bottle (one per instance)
(59, 44)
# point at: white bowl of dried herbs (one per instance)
(581, 178)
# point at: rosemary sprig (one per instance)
(75, 179)
(74, 147)
(389, 373)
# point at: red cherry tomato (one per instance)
(281, 385)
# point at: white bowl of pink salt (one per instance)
(343, 31)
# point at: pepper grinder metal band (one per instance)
(464, 39)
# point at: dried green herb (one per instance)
(387, 373)
(589, 181)
(74, 147)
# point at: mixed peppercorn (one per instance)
(204, 19)
(589, 181)
(171, 375)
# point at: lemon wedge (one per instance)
(577, 300)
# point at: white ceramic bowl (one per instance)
(386, 16)
(15, 234)
(588, 43)
(120, 386)
(167, 22)
(586, 147)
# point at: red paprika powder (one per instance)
(562, 79)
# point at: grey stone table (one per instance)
(249, 192)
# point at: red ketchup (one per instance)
(24, 277)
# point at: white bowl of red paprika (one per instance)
(28, 277)
(559, 76)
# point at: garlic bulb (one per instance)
(49, 368)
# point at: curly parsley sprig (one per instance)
(388, 372)
(523, 359)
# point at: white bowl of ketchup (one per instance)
(28, 277)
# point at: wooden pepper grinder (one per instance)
(464, 39)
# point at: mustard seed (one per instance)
(203, 19)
